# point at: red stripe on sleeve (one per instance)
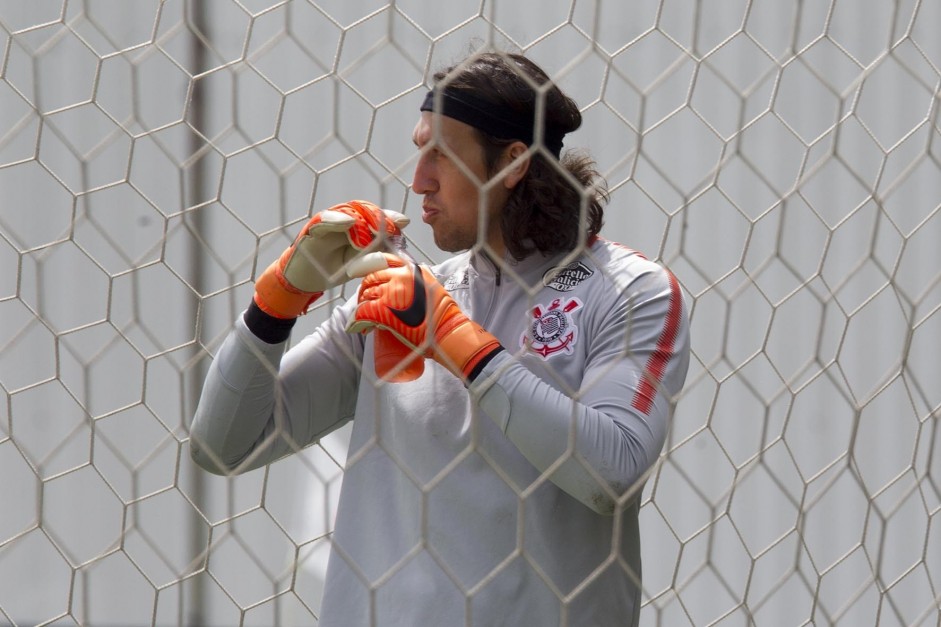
(658, 360)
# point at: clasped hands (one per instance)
(395, 296)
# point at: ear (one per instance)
(515, 164)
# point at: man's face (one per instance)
(449, 173)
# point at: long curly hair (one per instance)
(559, 204)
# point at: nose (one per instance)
(423, 181)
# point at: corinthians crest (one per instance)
(553, 329)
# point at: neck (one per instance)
(495, 246)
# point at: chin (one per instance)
(450, 246)
(453, 240)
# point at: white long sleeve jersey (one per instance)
(511, 502)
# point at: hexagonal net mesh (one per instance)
(782, 158)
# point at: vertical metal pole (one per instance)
(195, 14)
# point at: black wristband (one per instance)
(266, 327)
(478, 368)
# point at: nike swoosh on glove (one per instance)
(316, 260)
(408, 301)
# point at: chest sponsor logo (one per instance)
(553, 331)
(565, 279)
(457, 281)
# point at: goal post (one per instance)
(781, 158)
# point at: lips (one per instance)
(428, 213)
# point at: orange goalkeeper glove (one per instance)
(316, 260)
(409, 302)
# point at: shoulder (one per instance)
(635, 291)
(623, 280)
(638, 282)
(611, 269)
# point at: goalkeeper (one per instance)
(501, 440)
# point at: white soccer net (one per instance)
(782, 157)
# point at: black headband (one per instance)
(491, 118)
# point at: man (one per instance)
(498, 482)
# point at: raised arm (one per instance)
(599, 444)
(259, 404)
(256, 407)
